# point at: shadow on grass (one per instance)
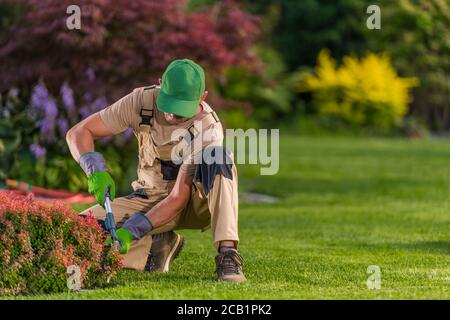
(426, 246)
(441, 247)
(286, 186)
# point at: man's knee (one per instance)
(97, 211)
(217, 160)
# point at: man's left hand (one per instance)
(125, 238)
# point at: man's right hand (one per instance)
(97, 184)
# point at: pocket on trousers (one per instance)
(169, 170)
(138, 193)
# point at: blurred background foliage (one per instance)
(365, 92)
(416, 34)
(310, 66)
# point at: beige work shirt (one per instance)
(155, 171)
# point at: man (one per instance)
(167, 196)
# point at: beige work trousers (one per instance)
(218, 210)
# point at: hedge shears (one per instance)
(110, 223)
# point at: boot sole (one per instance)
(173, 254)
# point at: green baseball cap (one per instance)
(182, 87)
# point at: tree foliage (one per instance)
(305, 27)
(121, 44)
(417, 36)
(53, 77)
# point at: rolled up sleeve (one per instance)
(124, 113)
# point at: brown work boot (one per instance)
(229, 266)
(165, 248)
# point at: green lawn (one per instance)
(346, 203)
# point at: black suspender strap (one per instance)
(206, 122)
(147, 108)
(146, 116)
(215, 116)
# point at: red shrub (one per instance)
(39, 242)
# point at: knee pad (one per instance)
(216, 161)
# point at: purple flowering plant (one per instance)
(40, 155)
(54, 120)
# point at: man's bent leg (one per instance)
(223, 205)
(215, 202)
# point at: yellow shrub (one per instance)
(364, 92)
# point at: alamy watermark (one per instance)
(74, 279)
(251, 146)
(374, 20)
(73, 22)
(374, 280)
